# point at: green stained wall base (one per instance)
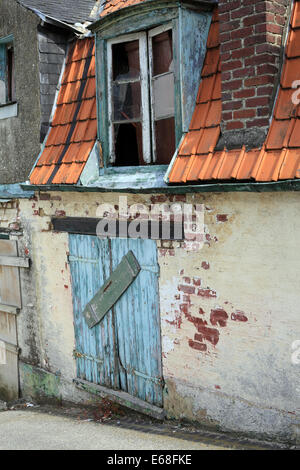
(38, 383)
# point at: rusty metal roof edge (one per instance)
(248, 186)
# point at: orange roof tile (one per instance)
(73, 129)
(114, 5)
(278, 159)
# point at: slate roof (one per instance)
(74, 126)
(278, 159)
(69, 11)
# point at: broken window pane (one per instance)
(163, 102)
(126, 101)
(10, 74)
(163, 90)
(126, 60)
(162, 53)
(128, 144)
(165, 140)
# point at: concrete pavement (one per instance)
(34, 430)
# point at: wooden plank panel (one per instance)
(9, 379)
(124, 350)
(8, 329)
(138, 325)
(90, 268)
(9, 309)
(8, 248)
(112, 289)
(10, 292)
(14, 261)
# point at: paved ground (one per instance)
(37, 431)
(41, 428)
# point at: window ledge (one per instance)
(8, 110)
(134, 177)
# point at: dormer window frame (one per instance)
(141, 37)
(151, 87)
(137, 20)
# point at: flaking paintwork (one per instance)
(122, 351)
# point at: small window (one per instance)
(7, 80)
(141, 98)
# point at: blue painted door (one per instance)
(123, 351)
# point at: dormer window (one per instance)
(141, 98)
(149, 59)
(7, 81)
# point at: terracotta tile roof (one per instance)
(278, 159)
(113, 5)
(73, 129)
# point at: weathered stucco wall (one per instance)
(229, 312)
(19, 136)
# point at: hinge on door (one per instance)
(71, 258)
(157, 380)
(151, 268)
(79, 355)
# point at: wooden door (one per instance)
(123, 351)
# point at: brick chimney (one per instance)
(252, 35)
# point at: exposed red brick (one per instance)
(239, 316)
(258, 123)
(231, 65)
(256, 32)
(255, 102)
(234, 125)
(248, 93)
(44, 196)
(243, 11)
(244, 72)
(222, 217)
(241, 53)
(198, 346)
(60, 213)
(244, 113)
(186, 289)
(206, 293)
(242, 33)
(218, 317)
(205, 265)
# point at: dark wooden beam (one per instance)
(158, 230)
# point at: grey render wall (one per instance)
(52, 47)
(20, 136)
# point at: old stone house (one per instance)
(165, 102)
